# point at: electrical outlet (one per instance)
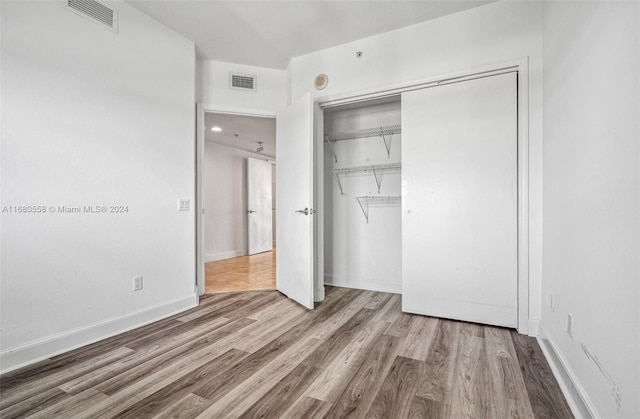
(137, 283)
(569, 324)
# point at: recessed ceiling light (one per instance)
(216, 129)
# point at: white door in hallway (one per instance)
(459, 192)
(259, 206)
(295, 257)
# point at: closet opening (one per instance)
(362, 195)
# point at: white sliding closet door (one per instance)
(459, 191)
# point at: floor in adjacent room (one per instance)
(259, 354)
(243, 273)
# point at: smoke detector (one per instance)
(260, 149)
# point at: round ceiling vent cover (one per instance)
(321, 81)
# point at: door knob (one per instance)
(307, 211)
(251, 211)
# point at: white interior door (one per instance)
(259, 206)
(294, 200)
(459, 222)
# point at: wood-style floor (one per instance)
(258, 354)
(243, 273)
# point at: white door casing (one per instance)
(460, 201)
(259, 206)
(294, 199)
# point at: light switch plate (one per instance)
(183, 204)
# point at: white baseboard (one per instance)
(364, 284)
(212, 257)
(40, 349)
(534, 326)
(576, 396)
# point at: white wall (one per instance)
(213, 87)
(91, 117)
(225, 201)
(358, 254)
(493, 33)
(591, 199)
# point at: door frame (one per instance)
(526, 325)
(201, 110)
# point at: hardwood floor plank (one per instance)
(364, 384)
(177, 334)
(329, 385)
(340, 317)
(498, 342)
(225, 300)
(378, 300)
(34, 404)
(342, 298)
(173, 392)
(401, 325)
(419, 338)
(394, 397)
(427, 408)
(186, 408)
(263, 298)
(391, 309)
(335, 343)
(508, 391)
(466, 396)
(277, 400)
(441, 361)
(307, 407)
(544, 392)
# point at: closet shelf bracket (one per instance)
(333, 151)
(387, 145)
(337, 178)
(364, 202)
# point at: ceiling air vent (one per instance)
(243, 81)
(96, 11)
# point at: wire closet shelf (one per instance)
(364, 202)
(383, 132)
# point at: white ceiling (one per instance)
(268, 33)
(250, 130)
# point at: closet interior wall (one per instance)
(363, 239)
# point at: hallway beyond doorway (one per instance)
(243, 273)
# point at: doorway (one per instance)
(234, 213)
